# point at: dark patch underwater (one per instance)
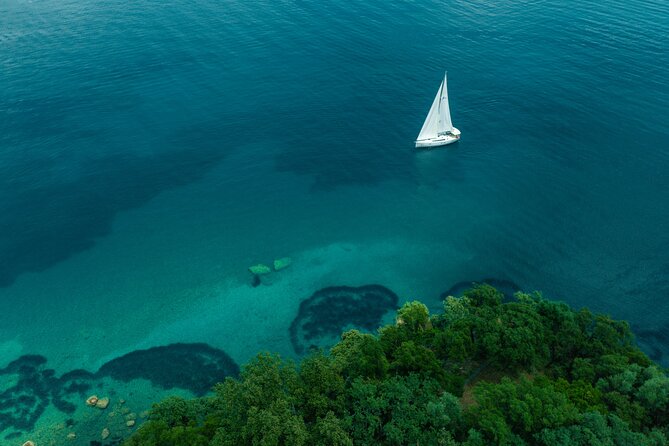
(31, 386)
(81, 209)
(330, 310)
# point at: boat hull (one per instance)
(441, 140)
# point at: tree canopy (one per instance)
(481, 372)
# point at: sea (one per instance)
(152, 151)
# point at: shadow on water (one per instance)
(654, 342)
(333, 165)
(45, 223)
(27, 386)
(433, 166)
(323, 316)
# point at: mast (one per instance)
(445, 124)
(441, 92)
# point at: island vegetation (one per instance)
(482, 372)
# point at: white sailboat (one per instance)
(438, 129)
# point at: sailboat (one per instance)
(438, 129)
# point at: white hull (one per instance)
(440, 140)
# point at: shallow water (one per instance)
(150, 153)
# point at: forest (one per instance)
(484, 371)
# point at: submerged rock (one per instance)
(92, 400)
(282, 263)
(105, 433)
(28, 443)
(260, 269)
(102, 403)
(71, 436)
(130, 423)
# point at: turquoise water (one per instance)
(150, 152)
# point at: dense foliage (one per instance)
(484, 372)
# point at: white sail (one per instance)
(438, 119)
(430, 127)
(445, 124)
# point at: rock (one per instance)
(105, 433)
(92, 400)
(260, 269)
(282, 263)
(130, 423)
(102, 403)
(28, 443)
(121, 401)
(131, 416)
(125, 410)
(71, 436)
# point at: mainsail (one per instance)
(438, 119)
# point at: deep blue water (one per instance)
(559, 182)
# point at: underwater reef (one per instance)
(22, 403)
(28, 386)
(195, 367)
(328, 311)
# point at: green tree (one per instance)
(595, 429)
(330, 431)
(456, 309)
(414, 317)
(359, 355)
(258, 408)
(582, 394)
(483, 295)
(455, 342)
(514, 337)
(412, 358)
(321, 389)
(583, 370)
(521, 409)
(402, 411)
